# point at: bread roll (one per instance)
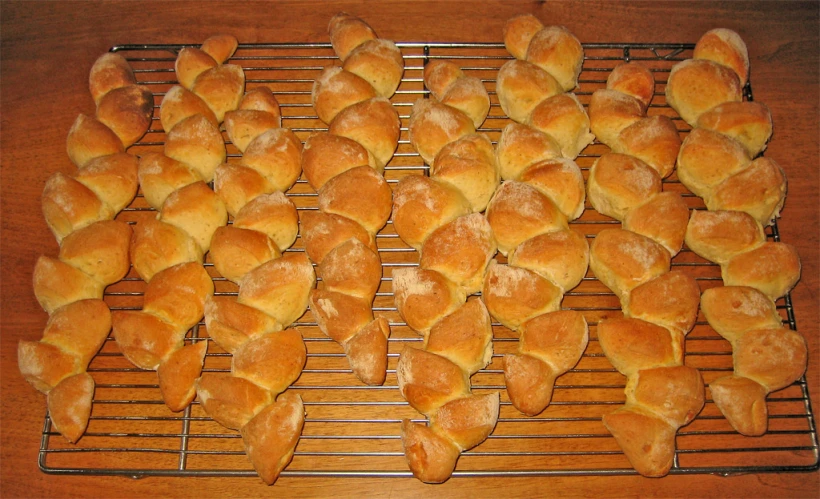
(197, 143)
(244, 125)
(424, 297)
(624, 260)
(515, 295)
(433, 125)
(461, 251)
(336, 89)
(68, 205)
(619, 183)
(563, 118)
(555, 50)
(109, 72)
(379, 62)
(698, 85)
(521, 146)
(221, 47)
(372, 123)
(221, 87)
(561, 181)
(725, 47)
(157, 246)
(326, 155)
(519, 212)
(127, 111)
(521, 86)
(469, 165)
(518, 32)
(542, 356)
(759, 190)
(88, 138)
(750, 123)
(112, 178)
(707, 158)
(421, 204)
(180, 103)
(360, 194)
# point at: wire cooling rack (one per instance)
(352, 429)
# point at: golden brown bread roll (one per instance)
(439, 215)
(725, 47)
(157, 246)
(88, 138)
(697, 85)
(348, 32)
(521, 146)
(519, 212)
(707, 158)
(468, 164)
(271, 436)
(555, 50)
(433, 125)
(325, 156)
(550, 345)
(736, 241)
(336, 89)
(372, 123)
(623, 260)
(531, 88)
(563, 118)
(273, 293)
(424, 297)
(450, 86)
(750, 123)
(660, 307)
(422, 204)
(379, 62)
(360, 194)
(198, 144)
(759, 190)
(529, 213)
(221, 87)
(230, 324)
(345, 167)
(460, 250)
(68, 205)
(521, 86)
(767, 356)
(127, 111)
(719, 236)
(109, 72)
(180, 103)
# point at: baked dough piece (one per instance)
(345, 167)
(94, 249)
(440, 216)
(660, 307)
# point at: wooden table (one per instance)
(48, 48)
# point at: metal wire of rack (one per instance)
(351, 429)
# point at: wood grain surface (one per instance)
(46, 53)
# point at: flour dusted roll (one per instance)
(274, 285)
(744, 193)
(440, 216)
(767, 356)
(659, 306)
(697, 85)
(543, 190)
(94, 249)
(345, 166)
